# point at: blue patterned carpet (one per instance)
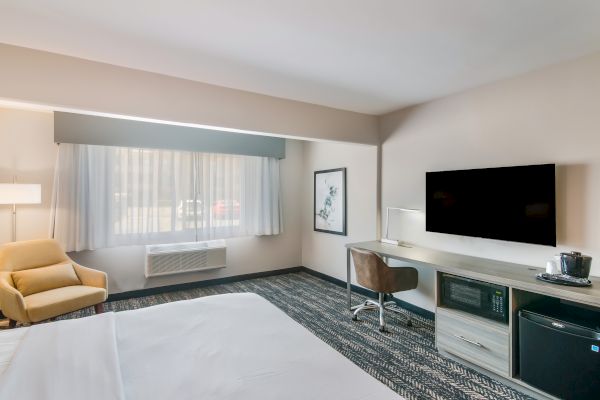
(405, 359)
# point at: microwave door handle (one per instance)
(469, 341)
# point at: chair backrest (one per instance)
(18, 256)
(373, 273)
(371, 270)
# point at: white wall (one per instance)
(547, 116)
(325, 252)
(72, 83)
(552, 115)
(27, 150)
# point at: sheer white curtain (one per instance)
(112, 196)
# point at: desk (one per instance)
(497, 343)
(516, 276)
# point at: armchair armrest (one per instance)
(91, 277)
(11, 300)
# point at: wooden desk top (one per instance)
(517, 276)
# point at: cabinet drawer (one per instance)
(479, 342)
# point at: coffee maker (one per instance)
(575, 265)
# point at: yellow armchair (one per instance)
(49, 287)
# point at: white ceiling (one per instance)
(369, 56)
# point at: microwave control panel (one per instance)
(498, 303)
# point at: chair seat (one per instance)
(51, 303)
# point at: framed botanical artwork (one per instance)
(330, 201)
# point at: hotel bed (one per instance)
(232, 346)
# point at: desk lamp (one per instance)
(386, 239)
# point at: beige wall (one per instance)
(548, 116)
(27, 150)
(72, 83)
(325, 252)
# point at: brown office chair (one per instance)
(373, 273)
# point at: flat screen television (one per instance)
(510, 203)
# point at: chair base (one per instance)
(99, 308)
(382, 306)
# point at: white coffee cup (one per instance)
(557, 261)
(550, 267)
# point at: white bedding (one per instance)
(9, 341)
(234, 346)
(73, 359)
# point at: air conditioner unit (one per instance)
(167, 259)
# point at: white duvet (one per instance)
(233, 346)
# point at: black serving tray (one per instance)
(563, 280)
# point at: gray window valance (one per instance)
(105, 131)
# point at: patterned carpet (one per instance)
(405, 359)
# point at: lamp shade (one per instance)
(20, 193)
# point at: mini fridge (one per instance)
(559, 350)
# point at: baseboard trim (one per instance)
(230, 279)
(369, 293)
(198, 284)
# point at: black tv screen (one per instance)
(511, 203)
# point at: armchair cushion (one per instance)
(35, 280)
(48, 304)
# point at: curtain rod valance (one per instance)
(105, 131)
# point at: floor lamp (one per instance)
(19, 193)
(386, 239)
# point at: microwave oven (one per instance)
(475, 297)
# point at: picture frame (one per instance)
(329, 201)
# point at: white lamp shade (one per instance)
(20, 193)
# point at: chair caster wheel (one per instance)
(354, 318)
(382, 329)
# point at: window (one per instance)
(110, 196)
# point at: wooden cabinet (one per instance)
(479, 341)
